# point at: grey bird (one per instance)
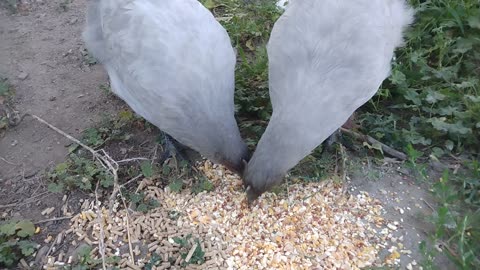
(326, 59)
(173, 64)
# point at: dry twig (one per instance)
(52, 219)
(59, 235)
(9, 162)
(129, 235)
(105, 160)
(429, 205)
(30, 200)
(385, 148)
(101, 243)
(131, 159)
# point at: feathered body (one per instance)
(173, 64)
(326, 59)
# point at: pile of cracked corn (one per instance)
(315, 225)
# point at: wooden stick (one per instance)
(30, 200)
(101, 239)
(52, 219)
(385, 148)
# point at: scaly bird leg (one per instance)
(172, 149)
(327, 145)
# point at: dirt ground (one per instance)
(42, 55)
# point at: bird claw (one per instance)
(171, 151)
(327, 145)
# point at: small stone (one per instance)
(73, 20)
(22, 76)
(69, 52)
(14, 143)
(392, 227)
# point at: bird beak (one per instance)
(252, 195)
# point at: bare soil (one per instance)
(42, 55)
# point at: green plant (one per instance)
(186, 243)
(5, 89)
(249, 26)
(418, 168)
(85, 260)
(314, 167)
(14, 243)
(6, 95)
(88, 58)
(78, 172)
(11, 5)
(471, 184)
(141, 203)
(457, 224)
(154, 260)
(105, 89)
(92, 137)
(432, 99)
(112, 129)
(202, 184)
(64, 5)
(147, 168)
(174, 215)
(176, 185)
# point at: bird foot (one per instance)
(172, 149)
(327, 145)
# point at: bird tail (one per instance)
(400, 16)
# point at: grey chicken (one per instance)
(173, 64)
(326, 59)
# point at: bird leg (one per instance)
(172, 149)
(327, 145)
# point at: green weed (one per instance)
(154, 260)
(14, 243)
(202, 184)
(457, 223)
(6, 96)
(78, 172)
(11, 5)
(186, 243)
(432, 99)
(413, 162)
(140, 203)
(85, 260)
(64, 5)
(112, 129)
(176, 185)
(249, 26)
(88, 59)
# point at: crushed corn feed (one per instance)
(314, 226)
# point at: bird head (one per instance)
(258, 180)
